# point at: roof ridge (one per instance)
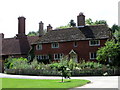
(97, 25)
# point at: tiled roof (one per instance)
(76, 33)
(11, 46)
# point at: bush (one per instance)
(22, 63)
(65, 67)
(92, 65)
(14, 63)
(55, 65)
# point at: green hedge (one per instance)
(51, 72)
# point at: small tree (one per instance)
(111, 51)
(32, 33)
(72, 23)
(64, 68)
(115, 27)
(90, 22)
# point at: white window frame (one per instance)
(75, 44)
(39, 47)
(96, 44)
(41, 57)
(61, 56)
(55, 46)
(93, 56)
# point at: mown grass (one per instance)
(42, 83)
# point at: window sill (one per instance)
(94, 45)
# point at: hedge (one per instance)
(51, 72)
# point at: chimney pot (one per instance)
(81, 13)
(49, 27)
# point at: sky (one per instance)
(54, 12)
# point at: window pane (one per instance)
(55, 45)
(92, 55)
(75, 44)
(94, 42)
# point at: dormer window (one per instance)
(55, 45)
(94, 42)
(39, 47)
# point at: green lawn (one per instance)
(42, 83)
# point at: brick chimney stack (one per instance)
(81, 19)
(21, 26)
(41, 26)
(49, 27)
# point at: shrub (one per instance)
(22, 63)
(11, 63)
(65, 67)
(92, 65)
(55, 65)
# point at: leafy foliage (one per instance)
(22, 63)
(97, 22)
(65, 67)
(117, 35)
(15, 62)
(32, 33)
(91, 65)
(115, 27)
(63, 27)
(111, 51)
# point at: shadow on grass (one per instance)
(65, 81)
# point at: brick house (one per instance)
(80, 42)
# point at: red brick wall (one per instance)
(82, 49)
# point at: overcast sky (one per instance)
(54, 12)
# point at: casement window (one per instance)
(93, 55)
(75, 44)
(55, 45)
(39, 47)
(94, 42)
(58, 56)
(42, 57)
